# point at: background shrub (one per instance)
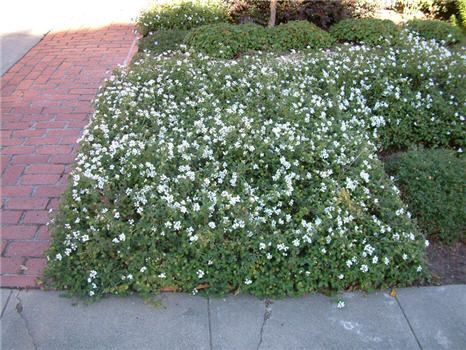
(228, 40)
(325, 13)
(436, 30)
(181, 14)
(255, 37)
(162, 41)
(447, 10)
(432, 183)
(258, 11)
(299, 35)
(365, 30)
(322, 13)
(462, 13)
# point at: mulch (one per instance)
(447, 262)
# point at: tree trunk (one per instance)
(273, 13)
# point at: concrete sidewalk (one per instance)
(418, 318)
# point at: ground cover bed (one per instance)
(258, 174)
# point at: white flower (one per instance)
(364, 176)
(217, 148)
(341, 304)
(247, 281)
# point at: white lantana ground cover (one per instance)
(258, 174)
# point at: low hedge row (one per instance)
(365, 30)
(299, 35)
(228, 40)
(213, 36)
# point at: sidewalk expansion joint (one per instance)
(210, 323)
(267, 315)
(409, 323)
(19, 309)
(7, 301)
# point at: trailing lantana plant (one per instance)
(257, 175)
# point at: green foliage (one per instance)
(436, 30)
(228, 40)
(182, 15)
(419, 92)
(365, 30)
(432, 184)
(410, 7)
(299, 35)
(462, 12)
(458, 19)
(258, 174)
(162, 41)
(446, 10)
(322, 13)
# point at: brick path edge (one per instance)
(46, 101)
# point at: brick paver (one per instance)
(46, 100)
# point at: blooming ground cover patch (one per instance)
(258, 174)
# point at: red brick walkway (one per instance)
(46, 100)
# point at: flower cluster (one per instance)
(259, 173)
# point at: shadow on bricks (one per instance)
(46, 102)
